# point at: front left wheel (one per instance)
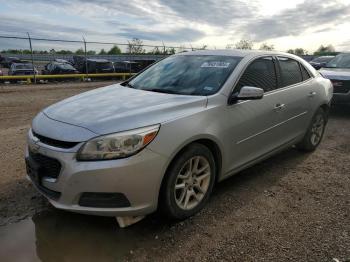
(188, 183)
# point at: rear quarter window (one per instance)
(305, 74)
(290, 72)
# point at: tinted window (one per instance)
(187, 74)
(305, 74)
(290, 71)
(260, 73)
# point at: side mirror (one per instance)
(247, 93)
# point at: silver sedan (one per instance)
(165, 137)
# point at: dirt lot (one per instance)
(292, 207)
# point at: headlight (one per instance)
(118, 145)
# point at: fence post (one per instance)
(164, 50)
(31, 55)
(86, 64)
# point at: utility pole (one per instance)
(86, 64)
(31, 55)
(164, 48)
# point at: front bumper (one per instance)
(137, 177)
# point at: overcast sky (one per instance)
(216, 23)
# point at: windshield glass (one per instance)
(187, 74)
(340, 61)
(24, 66)
(322, 59)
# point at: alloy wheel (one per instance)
(192, 182)
(317, 129)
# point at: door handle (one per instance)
(279, 107)
(312, 94)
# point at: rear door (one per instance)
(295, 95)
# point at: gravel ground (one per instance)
(292, 207)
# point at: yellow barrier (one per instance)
(29, 78)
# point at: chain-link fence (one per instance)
(41, 51)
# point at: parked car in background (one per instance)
(132, 66)
(8, 61)
(58, 60)
(91, 65)
(22, 69)
(320, 61)
(56, 68)
(338, 71)
(166, 136)
(127, 67)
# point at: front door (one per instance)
(253, 124)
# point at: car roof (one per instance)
(97, 60)
(235, 52)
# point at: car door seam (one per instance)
(270, 128)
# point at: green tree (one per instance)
(244, 44)
(80, 51)
(297, 51)
(267, 47)
(135, 46)
(325, 50)
(91, 52)
(115, 50)
(102, 52)
(156, 51)
(64, 52)
(300, 51)
(170, 51)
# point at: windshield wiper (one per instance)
(159, 90)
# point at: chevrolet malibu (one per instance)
(164, 138)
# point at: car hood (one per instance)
(336, 73)
(116, 108)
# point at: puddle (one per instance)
(62, 236)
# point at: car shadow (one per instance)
(340, 111)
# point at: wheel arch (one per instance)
(326, 107)
(210, 143)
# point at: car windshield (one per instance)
(187, 74)
(24, 66)
(340, 61)
(322, 59)
(67, 66)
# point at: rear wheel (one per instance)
(315, 132)
(188, 182)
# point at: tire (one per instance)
(193, 188)
(314, 133)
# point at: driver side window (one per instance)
(260, 73)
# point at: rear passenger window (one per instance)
(290, 71)
(305, 74)
(260, 73)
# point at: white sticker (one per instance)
(208, 88)
(217, 64)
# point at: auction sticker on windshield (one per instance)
(218, 64)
